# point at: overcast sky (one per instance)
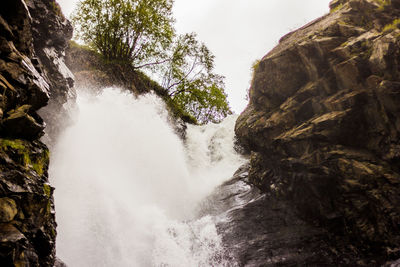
(238, 32)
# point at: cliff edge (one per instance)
(32, 39)
(323, 128)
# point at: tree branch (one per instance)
(184, 78)
(151, 64)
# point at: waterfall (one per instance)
(127, 187)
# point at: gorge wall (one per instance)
(33, 35)
(323, 128)
(323, 125)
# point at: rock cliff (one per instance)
(51, 33)
(31, 70)
(323, 128)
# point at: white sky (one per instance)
(238, 32)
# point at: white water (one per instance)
(127, 187)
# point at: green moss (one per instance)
(338, 7)
(53, 232)
(22, 154)
(87, 48)
(40, 163)
(392, 26)
(383, 4)
(15, 144)
(57, 9)
(19, 147)
(48, 207)
(47, 190)
(145, 82)
(178, 112)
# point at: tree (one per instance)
(189, 61)
(141, 34)
(208, 104)
(189, 80)
(132, 31)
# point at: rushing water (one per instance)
(127, 187)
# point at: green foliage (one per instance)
(392, 26)
(134, 31)
(206, 104)
(74, 44)
(140, 33)
(188, 60)
(189, 80)
(178, 111)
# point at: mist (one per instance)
(128, 187)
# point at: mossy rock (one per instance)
(20, 151)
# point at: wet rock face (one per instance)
(51, 32)
(323, 125)
(263, 229)
(27, 220)
(20, 81)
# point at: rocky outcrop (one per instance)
(323, 127)
(27, 220)
(51, 33)
(260, 230)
